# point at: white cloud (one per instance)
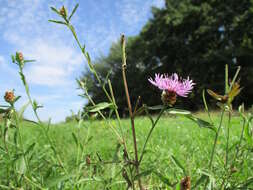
(30, 32)
(25, 27)
(55, 63)
(135, 13)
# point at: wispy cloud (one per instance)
(134, 13)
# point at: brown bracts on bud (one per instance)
(229, 97)
(185, 183)
(20, 56)
(169, 97)
(9, 96)
(63, 11)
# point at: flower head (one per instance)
(172, 86)
(9, 96)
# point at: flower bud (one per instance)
(9, 96)
(20, 56)
(63, 11)
(169, 97)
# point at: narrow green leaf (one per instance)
(15, 136)
(58, 22)
(176, 161)
(30, 121)
(178, 112)
(22, 110)
(247, 132)
(3, 110)
(30, 148)
(74, 10)
(22, 78)
(55, 10)
(148, 114)
(100, 106)
(13, 58)
(17, 98)
(235, 77)
(158, 107)
(202, 123)
(75, 139)
(29, 61)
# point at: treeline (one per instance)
(193, 38)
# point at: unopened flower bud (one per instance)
(169, 97)
(63, 11)
(20, 56)
(185, 183)
(9, 96)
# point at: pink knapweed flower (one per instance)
(172, 86)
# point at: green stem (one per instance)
(21, 140)
(41, 123)
(88, 60)
(240, 142)
(228, 133)
(150, 132)
(214, 144)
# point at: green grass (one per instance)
(177, 136)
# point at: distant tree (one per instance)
(191, 37)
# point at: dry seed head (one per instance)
(9, 96)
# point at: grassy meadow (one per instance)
(176, 137)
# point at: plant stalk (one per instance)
(123, 43)
(214, 145)
(150, 132)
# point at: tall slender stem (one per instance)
(215, 143)
(228, 133)
(21, 140)
(123, 43)
(150, 132)
(41, 124)
(240, 141)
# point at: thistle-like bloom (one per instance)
(172, 86)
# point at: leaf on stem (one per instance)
(177, 163)
(58, 22)
(100, 106)
(73, 12)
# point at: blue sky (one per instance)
(24, 27)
